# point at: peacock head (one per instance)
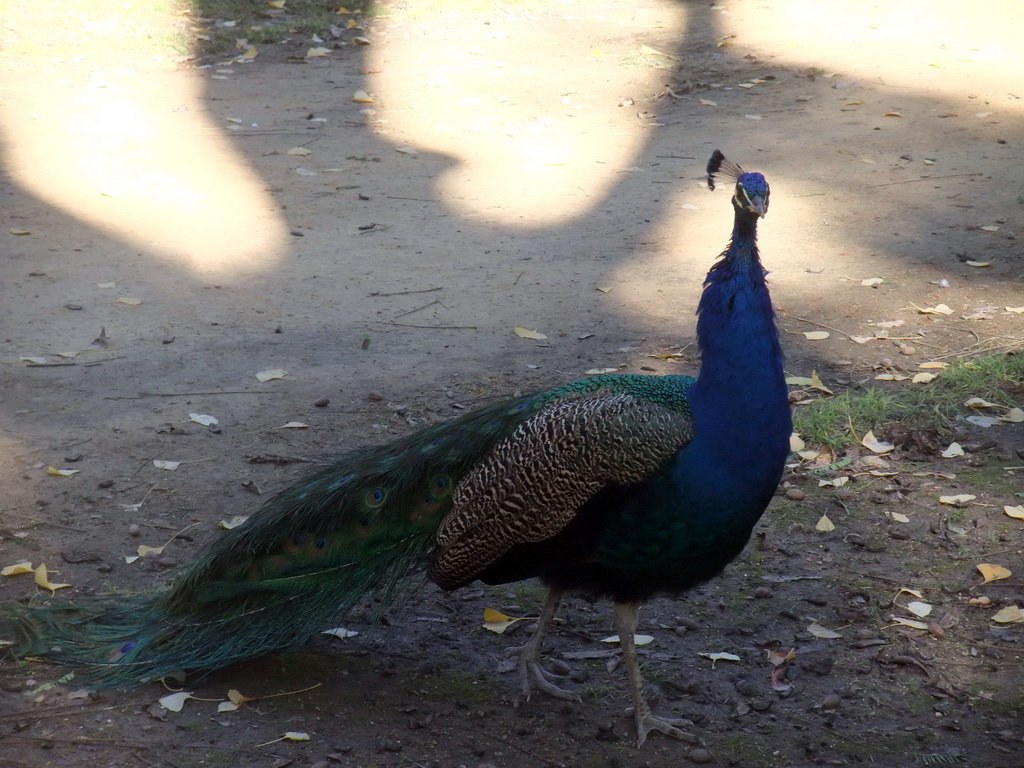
(751, 193)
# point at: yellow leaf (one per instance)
(234, 522)
(498, 622)
(249, 54)
(977, 402)
(44, 581)
(919, 608)
(909, 623)
(822, 633)
(796, 444)
(351, 24)
(296, 736)
(313, 53)
(302, 151)
(990, 228)
(991, 572)
(272, 373)
(893, 114)
(1016, 512)
(276, 3)
(528, 334)
(978, 263)
(173, 702)
(1011, 614)
(14, 570)
(62, 472)
(825, 525)
(816, 383)
(709, 103)
(15, 231)
(933, 365)
(637, 639)
(982, 601)
(646, 50)
(129, 301)
(960, 498)
(938, 309)
(899, 517)
(954, 450)
(238, 698)
(1015, 310)
(1015, 415)
(922, 378)
(816, 335)
(875, 445)
(362, 97)
(146, 551)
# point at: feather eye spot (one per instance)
(299, 539)
(440, 485)
(320, 542)
(365, 521)
(376, 497)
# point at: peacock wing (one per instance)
(530, 485)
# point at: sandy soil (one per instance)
(535, 166)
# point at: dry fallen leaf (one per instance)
(202, 418)
(62, 472)
(721, 656)
(823, 633)
(938, 309)
(825, 525)
(129, 301)
(919, 609)
(173, 702)
(922, 378)
(170, 466)
(992, 572)
(301, 151)
(899, 517)
(909, 623)
(14, 570)
(954, 450)
(957, 499)
(709, 103)
(272, 373)
(345, 634)
(43, 580)
(525, 333)
(498, 622)
(816, 335)
(1016, 512)
(875, 445)
(234, 522)
(362, 97)
(1011, 614)
(319, 51)
(637, 639)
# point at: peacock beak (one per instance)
(759, 205)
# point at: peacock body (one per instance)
(621, 486)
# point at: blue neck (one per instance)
(739, 403)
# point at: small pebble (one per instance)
(559, 667)
(374, 395)
(866, 634)
(795, 494)
(844, 494)
(762, 593)
(323, 402)
(167, 562)
(73, 307)
(831, 702)
(688, 623)
(936, 631)
(134, 530)
(105, 484)
(701, 756)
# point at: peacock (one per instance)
(620, 486)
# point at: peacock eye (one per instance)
(375, 497)
(320, 543)
(299, 539)
(128, 647)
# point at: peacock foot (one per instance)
(532, 675)
(669, 726)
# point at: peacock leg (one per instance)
(626, 615)
(530, 671)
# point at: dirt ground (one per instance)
(533, 165)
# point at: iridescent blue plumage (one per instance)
(622, 486)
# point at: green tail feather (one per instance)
(303, 560)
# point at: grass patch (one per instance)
(260, 24)
(841, 420)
